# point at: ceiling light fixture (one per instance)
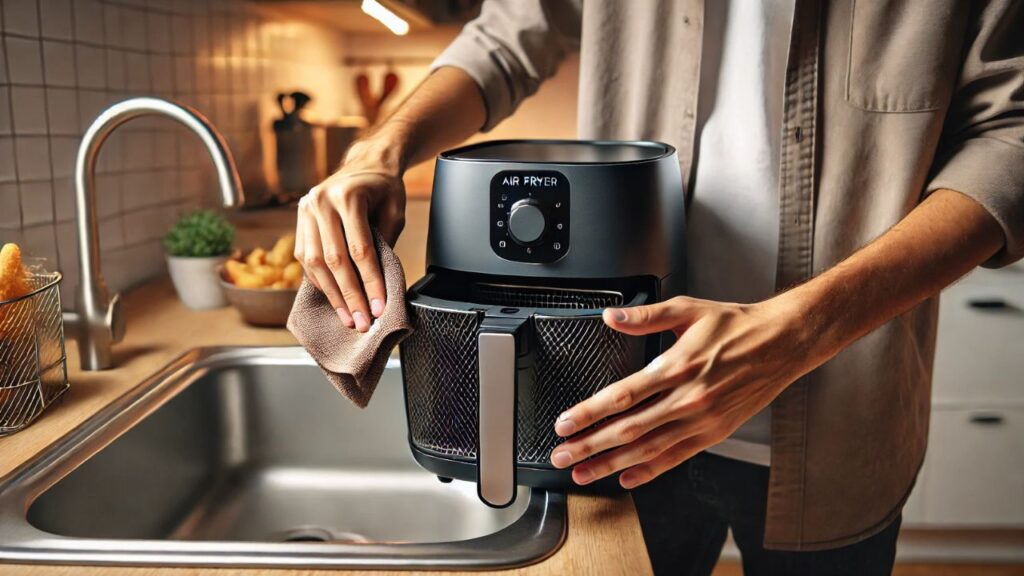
(385, 16)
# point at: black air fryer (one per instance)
(528, 242)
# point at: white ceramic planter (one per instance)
(196, 281)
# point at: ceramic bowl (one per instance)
(259, 306)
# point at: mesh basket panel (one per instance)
(543, 297)
(575, 358)
(440, 373)
(32, 365)
(572, 357)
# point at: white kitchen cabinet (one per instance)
(974, 475)
(980, 350)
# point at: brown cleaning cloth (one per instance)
(353, 361)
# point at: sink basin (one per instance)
(248, 457)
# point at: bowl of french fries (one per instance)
(261, 283)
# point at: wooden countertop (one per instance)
(604, 534)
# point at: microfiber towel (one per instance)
(353, 361)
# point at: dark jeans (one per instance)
(685, 514)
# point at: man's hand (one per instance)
(332, 232)
(732, 360)
(729, 361)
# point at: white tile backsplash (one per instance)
(165, 150)
(5, 111)
(161, 74)
(10, 206)
(184, 74)
(92, 67)
(64, 61)
(133, 264)
(136, 70)
(112, 232)
(33, 157)
(59, 60)
(40, 241)
(137, 151)
(109, 194)
(24, 61)
(115, 69)
(55, 19)
(91, 103)
(201, 34)
(62, 111)
(133, 28)
(36, 202)
(138, 190)
(181, 35)
(30, 104)
(89, 22)
(63, 150)
(64, 199)
(3, 68)
(113, 29)
(21, 17)
(158, 32)
(8, 171)
(142, 225)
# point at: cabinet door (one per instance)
(975, 470)
(913, 511)
(980, 349)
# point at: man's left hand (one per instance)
(729, 361)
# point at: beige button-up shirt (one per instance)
(885, 101)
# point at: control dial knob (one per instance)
(527, 221)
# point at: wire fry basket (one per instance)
(33, 367)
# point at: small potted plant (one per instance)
(196, 246)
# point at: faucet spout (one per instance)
(98, 323)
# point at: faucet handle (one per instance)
(116, 319)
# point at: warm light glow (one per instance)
(386, 17)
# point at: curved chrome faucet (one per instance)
(98, 323)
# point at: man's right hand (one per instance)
(332, 233)
(333, 238)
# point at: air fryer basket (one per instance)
(573, 353)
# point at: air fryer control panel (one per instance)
(530, 215)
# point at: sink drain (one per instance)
(318, 534)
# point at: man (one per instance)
(845, 161)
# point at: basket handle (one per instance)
(496, 439)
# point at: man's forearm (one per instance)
(442, 111)
(942, 239)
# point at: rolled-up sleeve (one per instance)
(511, 47)
(982, 149)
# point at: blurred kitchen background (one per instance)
(62, 62)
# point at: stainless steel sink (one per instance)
(247, 457)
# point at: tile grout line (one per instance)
(49, 135)
(14, 140)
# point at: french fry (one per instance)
(257, 257)
(283, 251)
(269, 274)
(234, 268)
(276, 268)
(13, 277)
(241, 274)
(293, 273)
